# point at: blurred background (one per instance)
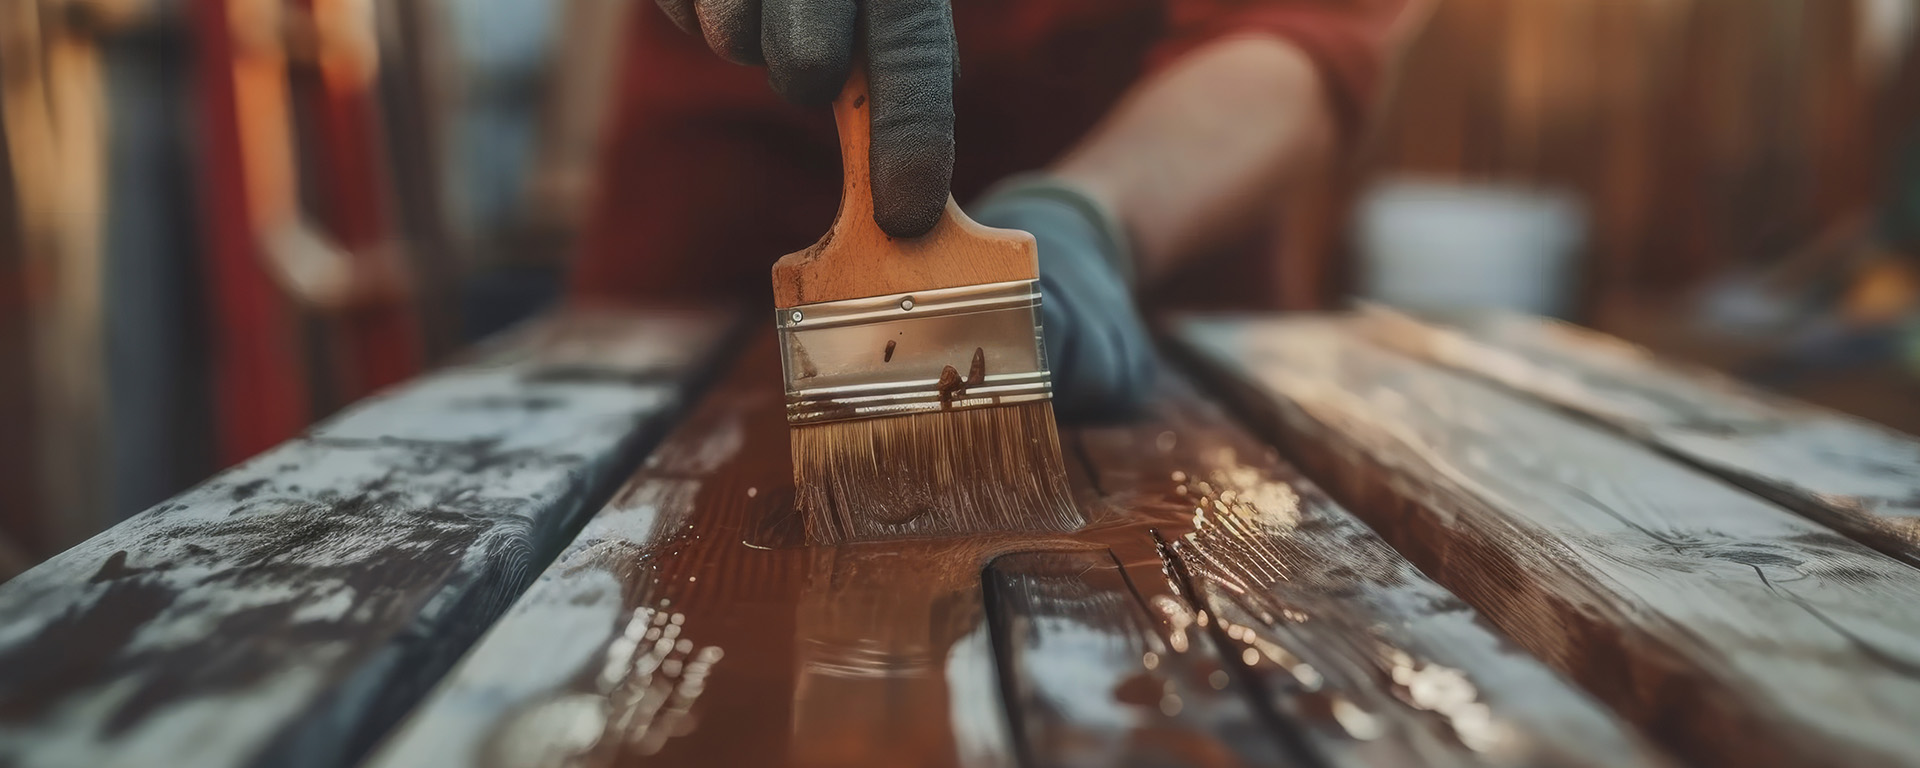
(221, 220)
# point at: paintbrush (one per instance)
(918, 394)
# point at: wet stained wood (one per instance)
(1101, 672)
(688, 625)
(289, 610)
(1729, 629)
(1854, 476)
(1357, 658)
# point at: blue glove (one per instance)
(807, 47)
(1097, 345)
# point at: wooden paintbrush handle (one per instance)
(856, 259)
(855, 123)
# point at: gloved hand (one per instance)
(1097, 345)
(807, 47)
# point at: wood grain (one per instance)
(1854, 476)
(1730, 630)
(687, 625)
(857, 260)
(1361, 659)
(1102, 667)
(287, 611)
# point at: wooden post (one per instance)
(52, 100)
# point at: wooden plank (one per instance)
(1731, 630)
(1853, 476)
(686, 626)
(288, 610)
(863, 654)
(883, 653)
(1097, 675)
(1363, 660)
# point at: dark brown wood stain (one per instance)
(1093, 680)
(814, 656)
(1360, 659)
(950, 383)
(681, 628)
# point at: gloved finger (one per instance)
(910, 65)
(808, 46)
(680, 12)
(732, 29)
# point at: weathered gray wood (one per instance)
(1856, 477)
(1363, 660)
(1730, 629)
(287, 611)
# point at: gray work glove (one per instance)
(807, 47)
(1097, 345)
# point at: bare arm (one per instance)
(1198, 153)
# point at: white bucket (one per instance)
(1438, 245)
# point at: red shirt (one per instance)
(708, 177)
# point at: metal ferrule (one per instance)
(884, 356)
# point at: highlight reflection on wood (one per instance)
(1859, 478)
(686, 625)
(676, 631)
(1361, 656)
(1731, 630)
(1103, 669)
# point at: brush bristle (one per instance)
(933, 474)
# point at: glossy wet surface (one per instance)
(745, 647)
(1215, 611)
